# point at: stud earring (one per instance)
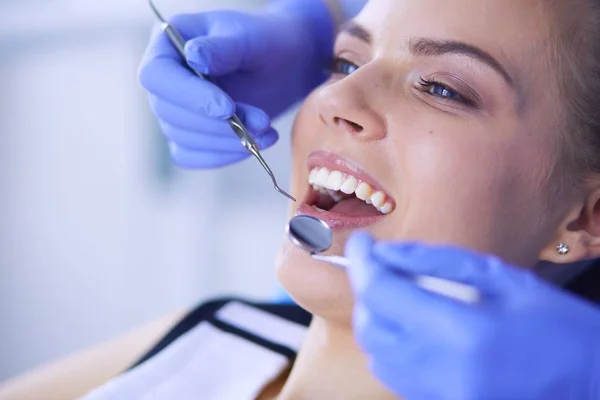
(562, 249)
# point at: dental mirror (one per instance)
(314, 236)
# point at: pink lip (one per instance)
(334, 162)
(337, 221)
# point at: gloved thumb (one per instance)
(359, 246)
(358, 251)
(216, 55)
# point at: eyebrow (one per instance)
(356, 30)
(434, 47)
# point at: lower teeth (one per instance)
(318, 209)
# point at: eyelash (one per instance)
(429, 86)
(341, 66)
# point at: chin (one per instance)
(320, 288)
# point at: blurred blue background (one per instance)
(98, 232)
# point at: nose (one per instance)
(344, 107)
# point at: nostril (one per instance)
(349, 125)
(355, 126)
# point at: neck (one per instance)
(331, 366)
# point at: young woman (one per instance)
(447, 131)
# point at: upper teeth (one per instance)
(331, 182)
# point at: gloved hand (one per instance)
(261, 63)
(525, 340)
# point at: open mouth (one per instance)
(342, 195)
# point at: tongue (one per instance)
(354, 207)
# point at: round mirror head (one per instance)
(310, 234)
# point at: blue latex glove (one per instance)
(525, 340)
(262, 64)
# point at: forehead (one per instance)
(502, 27)
(509, 15)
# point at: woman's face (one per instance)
(447, 113)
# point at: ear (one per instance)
(580, 232)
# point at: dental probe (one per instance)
(235, 123)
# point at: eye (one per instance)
(438, 89)
(343, 66)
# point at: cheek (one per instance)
(472, 188)
(443, 165)
(449, 159)
(450, 193)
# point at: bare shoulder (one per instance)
(74, 376)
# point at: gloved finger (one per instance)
(396, 298)
(375, 335)
(170, 80)
(193, 140)
(358, 249)
(159, 46)
(228, 48)
(216, 56)
(194, 159)
(403, 383)
(413, 381)
(256, 120)
(485, 272)
(188, 25)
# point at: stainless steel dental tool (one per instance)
(314, 236)
(235, 123)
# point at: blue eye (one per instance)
(343, 66)
(438, 89)
(441, 91)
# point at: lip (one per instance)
(337, 221)
(333, 162)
